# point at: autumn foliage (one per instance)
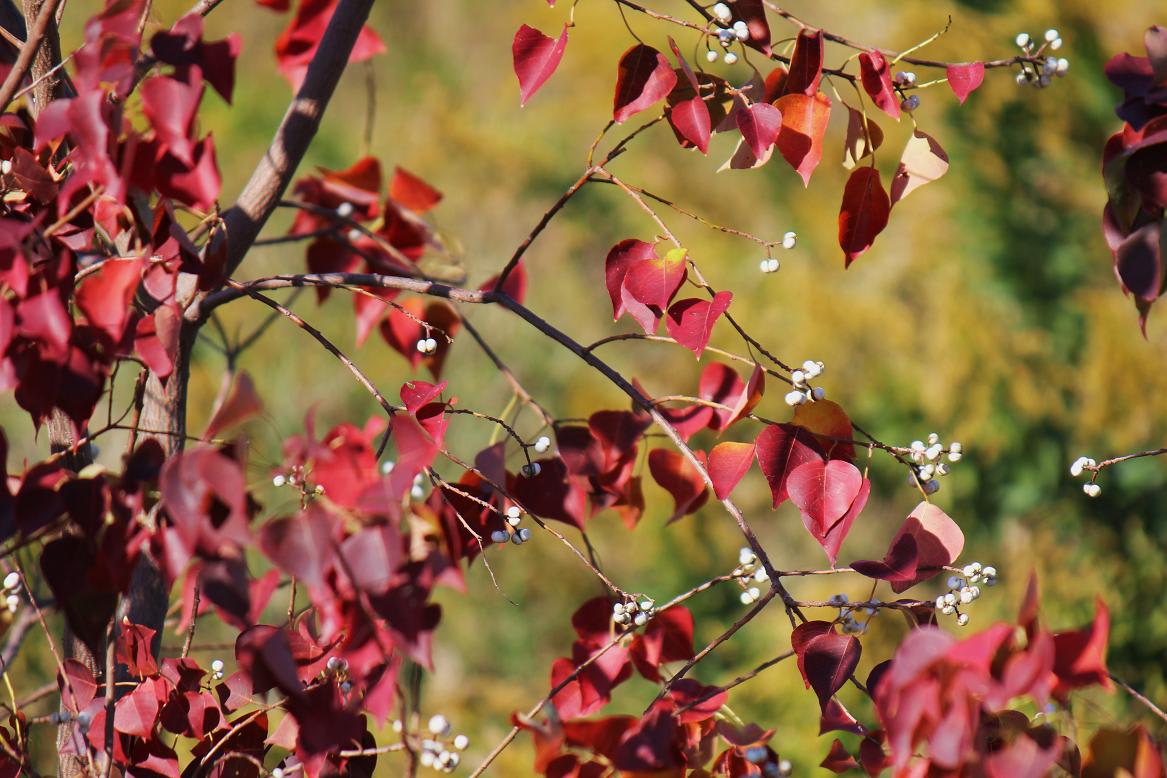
(117, 245)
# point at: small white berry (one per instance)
(647, 605)
(387, 467)
(344, 210)
(819, 393)
(279, 480)
(1077, 466)
(772, 265)
(1063, 67)
(941, 602)
(277, 772)
(741, 30)
(954, 456)
(1055, 44)
(217, 666)
(421, 345)
(1051, 35)
(397, 725)
(531, 470)
(789, 240)
(726, 37)
(439, 724)
(12, 580)
(962, 619)
(955, 582)
(795, 398)
(431, 345)
(721, 12)
(427, 758)
(1022, 39)
(620, 618)
(989, 572)
(354, 235)
(942, 469)
(948, 610)
(760, 575)
(798, 377)
(5, 167)
(755, 593)
(1022, 78)
(1092, 490)
(950, 599)
(640, 619)
(711, 56)
(730, 58)
(517, 539)
(499, 536)
(966, 596)
(514, 512)
(933, 452)
(525, 534)
(746, 556)
(746, 598)
(542, 444)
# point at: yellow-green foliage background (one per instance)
(987, 311)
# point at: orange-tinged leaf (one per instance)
(804, 123)
(728, 463)
(830, 425)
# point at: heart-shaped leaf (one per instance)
(864, 212)
(645, 77)
(536, 56)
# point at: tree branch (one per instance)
(28, 52)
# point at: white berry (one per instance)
(1022, 39)
(741, 30)
(1051, 35)
(542, 444)
(1092, 490)
(499, 536)
(789, 240)
(344, 210)
(730, 58)
(721, 12)
(439, 724)
(711, 56)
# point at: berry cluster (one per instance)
(927, 466)
(847, 621)
(296, 478)
(771, 264)
(638, 614)
(513, 533)
(1080, 464)
(427, 345)
(217, 669)
(729, 35)
(440, 751)
(12, 588)
(1033, 75)
(749, 572)
(964, 590)
(800, 379)
(760, 756)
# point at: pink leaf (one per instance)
(864, 212)
(830, 495)
(965, 79)
(105, 298)
(760, 124)
(806, 64)
(938, 542)
(691, 119)
(644, 77)
(876, 78)
(171, 105)
(621, 258)
(536, 56)
(690, 322)
(655, 280)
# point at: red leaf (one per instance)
(804, 123)
(667, 638)
(938, 542)
(721, 384)
(864, 212)
(135, 649)
(806, 64)
(760, 124)
(839, 760)
(536, 56)
(876, 77)
(728, 462)
(1080, 656)
(621, 258)
(690, 322)
(691, 120)
(644, 77)
(828, 661)
(965, 79)
(515, 286)
(417, 394)
(196, 184)
(782, 448)
(301, 545)
(899, 565)
(409, 191)
(922, 162)
(677, 475)
(830, 495)
(78, 687)
(859, 144)
(136, 713)
(241, 404)
(297, 44)
(105, 298)
(171, 105)
(655, 280)
(700, 701)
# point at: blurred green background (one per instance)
(987, 312)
